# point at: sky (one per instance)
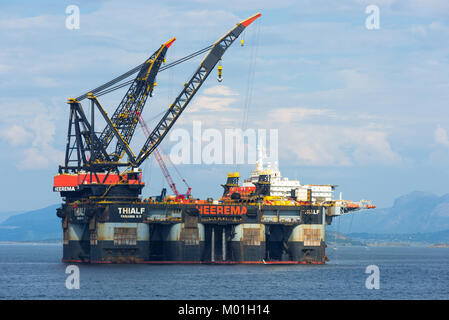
(364, 109)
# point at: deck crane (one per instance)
(123, 122)
(133, 102)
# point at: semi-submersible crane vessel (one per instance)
(105, 220)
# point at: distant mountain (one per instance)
(410, 238)
(41, 224)
(6, 214)
(337, 238)
(413, 213)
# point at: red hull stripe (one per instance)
(199, 262)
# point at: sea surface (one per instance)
(35, 271)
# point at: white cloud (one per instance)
(321, 137)
(331, 145)
(214, 99)
(4, 68)
(310, 137)
(33, 23)
(29, 126)
(45, 82)
(372, 147)
(220, 90)
(294, 114)
(441, 137)
(355, 79)
(425, 8)
(40, 157)
(15, 135)
(207, 103)
(391, 7)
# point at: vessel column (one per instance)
(224, 243)
(248, 242)
(212, 250)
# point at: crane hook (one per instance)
(151, 91)
(220, 74)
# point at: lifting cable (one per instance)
(171, 79)
(250, 81)
(106, 88)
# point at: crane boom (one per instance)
(191, 87)
(113, 127)
(124, 117)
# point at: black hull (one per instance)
(154, 233)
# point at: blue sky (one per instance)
(364, 109)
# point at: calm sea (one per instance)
(35, 272)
